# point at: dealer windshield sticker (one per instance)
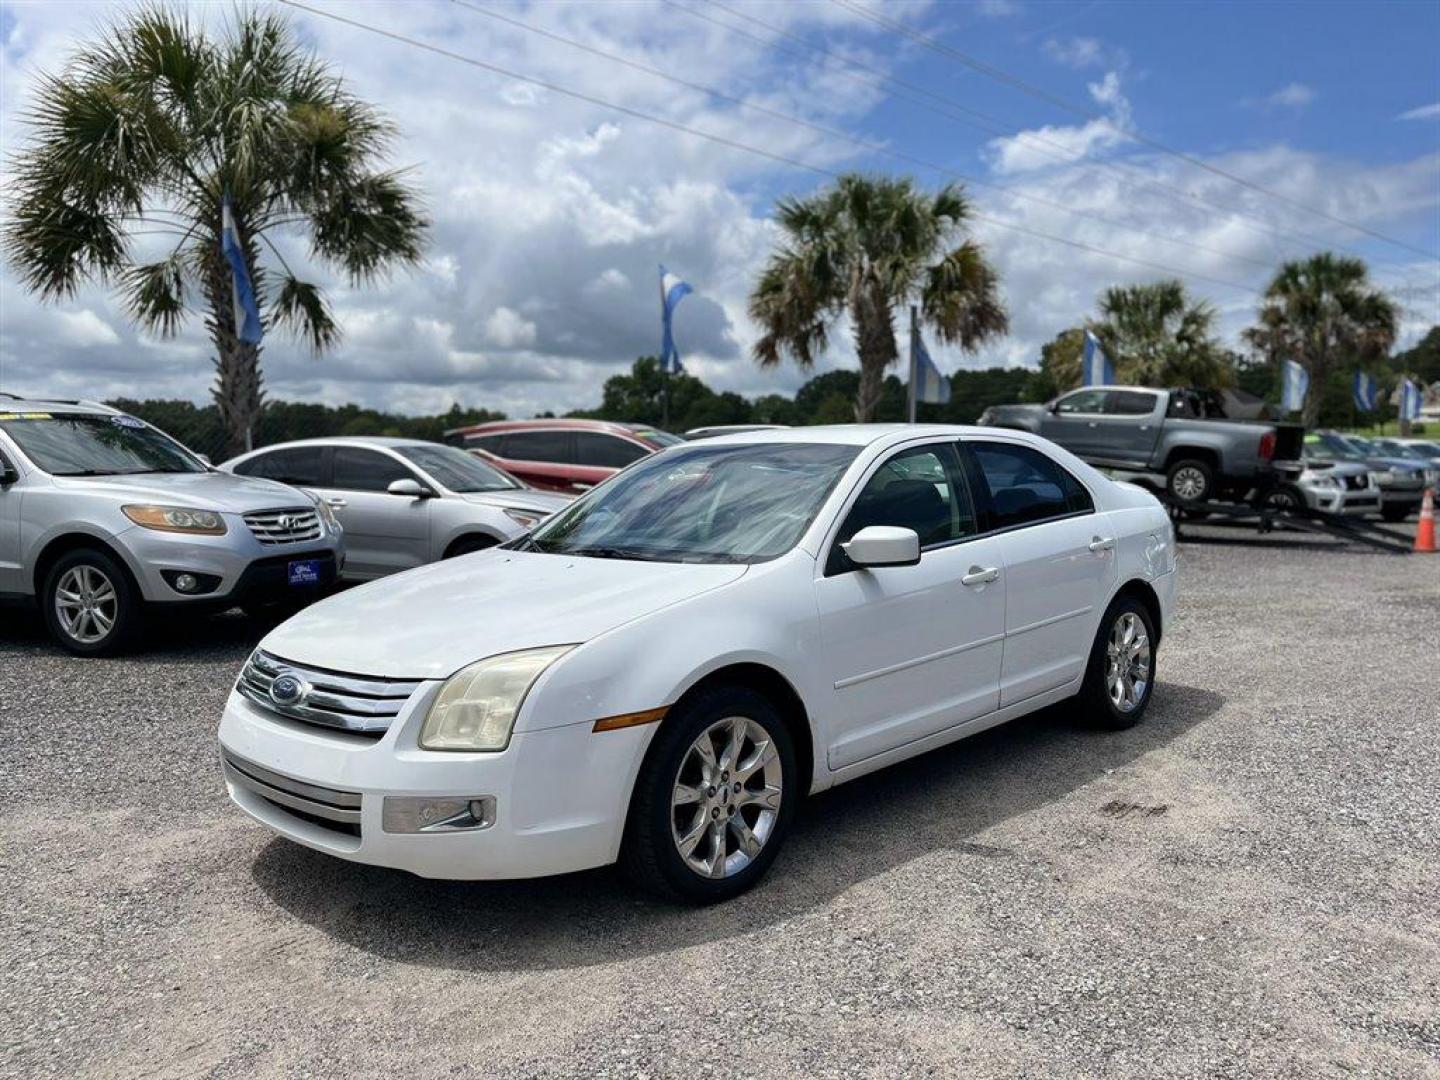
(25, 416)
(127, 421)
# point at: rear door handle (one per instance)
(1099, 544)
(980, 575)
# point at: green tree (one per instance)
(1156, 335)
(1060, 363)
(865, 248)
(1323, 313)
(150, 127)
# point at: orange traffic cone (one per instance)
(1425, 532)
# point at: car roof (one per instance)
(862, 434)
(572, 423)
(383, 441)
(15, 403)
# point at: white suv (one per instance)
(103, 517)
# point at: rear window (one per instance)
(1130, 403)
(303, 465)
(606, 451)
(549, 446)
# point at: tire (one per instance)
(90, 605)
(1283, 498)
(1394, 514)
(651, 854)
(1098, 694)
(468, 545)
(1190, 480)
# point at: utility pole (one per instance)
(914, 330)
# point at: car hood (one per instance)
(542, 502)
(429, 623)
(221, 491)
(1395, 464)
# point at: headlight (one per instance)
(327, 515)
(1324, 482)
(476, 707)
(526, 518)
(181, 519)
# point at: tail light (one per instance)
(1267, 446)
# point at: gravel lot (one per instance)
(1246, 885)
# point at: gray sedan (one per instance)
(404, 502)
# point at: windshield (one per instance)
(1331, 446)
(78, 444)
(458, 470)
(661, 439)
(1399, 450)
(1427, 449)
(730, 504)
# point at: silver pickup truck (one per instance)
(1184, 435)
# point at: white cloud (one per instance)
(507, 328)
(84, 329)
(1295, 95)
(1077, 52)
(1043, 147)
(1424, 112)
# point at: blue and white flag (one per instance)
(1294, 381)
(1365, 392)
(242, 292)
(672, 291)
(1095, 366)
(930, 385)
(1409, 400)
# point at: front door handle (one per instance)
(1094, 423)
(1099, 544)
(338, 504)
(980, 575)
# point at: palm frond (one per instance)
(301, 308)
(154, 294)
(369, 226)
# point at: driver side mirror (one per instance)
(412, 489)
(883, 545)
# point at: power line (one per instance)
(877, 148)
(955, 110)
(638, 114)
(1009, 79)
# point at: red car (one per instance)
(561, 455)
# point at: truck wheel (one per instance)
(90, 606)
(1190, 480)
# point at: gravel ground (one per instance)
(1246, 885)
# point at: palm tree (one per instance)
(1158, 336)
(1320, 312)
(865, 247)
(148, 129)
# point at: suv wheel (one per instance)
(714, 799)
(90, 605)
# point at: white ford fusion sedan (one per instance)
(660, 672)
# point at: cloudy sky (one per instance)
(551, 213)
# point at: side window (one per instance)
(1082, 401)
(357, 469)
(304, 466)
(1181, 407)
(605, 451)
(1130, 403)
(551, 446)
(920, 488)
(1026, 486)
(491, 444)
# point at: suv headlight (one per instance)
(477, 706)
(1324, 482)
(525, 518)
(327, 515)
(180, 519)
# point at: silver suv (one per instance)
(103, 517)
(404, 502)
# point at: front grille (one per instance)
(329, 808)
(286, 526)
(354, 703)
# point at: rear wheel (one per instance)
(1121, 674)
(1190, 480)
(714, 799)
(1284, 498)
(90, 605)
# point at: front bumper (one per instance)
(1342, 500)
(559, 795)
(244, 569)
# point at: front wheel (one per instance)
(1121, 674)
(90, 606)
(714, 798)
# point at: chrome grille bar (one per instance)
(365, 706)
(284, 526)
(329, 803)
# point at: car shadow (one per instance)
(172, 637)
(939, 801)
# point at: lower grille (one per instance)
(329, 808)
(353, 703)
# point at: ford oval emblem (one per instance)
(288, 689)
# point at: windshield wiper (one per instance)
(609, 553)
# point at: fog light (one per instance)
(457, 813)
(186, 582)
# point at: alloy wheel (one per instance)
(86, 603)
(1127, 662)
(1188, 483)
(726, 797)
